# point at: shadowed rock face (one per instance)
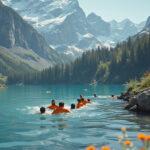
(21, 42)
(143, 100)
(14, 31)
(138, 102)
(60, 21)
(98, 25)
(63, 23)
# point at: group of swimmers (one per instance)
(58, 109)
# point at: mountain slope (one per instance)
(146, 29)
(120, 31)
(21, 38)
(128, 60)
(10, 65)
(98, 25)
(65, 26)
(63, 23)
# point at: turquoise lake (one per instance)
(22, 128)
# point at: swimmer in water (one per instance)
(94, 95)
(73, 106)
(81, 97)
(88, 101)
(60, 109)
(42, 110)
(113, 97)
(83, 100)
(53, 105)
(79, 104)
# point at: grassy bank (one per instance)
(141, 84)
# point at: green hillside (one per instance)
(12, 67)
(141, 84)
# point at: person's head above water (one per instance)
(53, 102)
(79, 100)
(95, 95)
(61, 104)
(88, 100)
(81, 96)
(42, 110)
(73, 106)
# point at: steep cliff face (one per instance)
(62, 22)
(14, 31)
(15, 34)
(98, 25)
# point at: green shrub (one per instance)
(138, 85)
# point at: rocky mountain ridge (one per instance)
(23, 42)
(67, 29)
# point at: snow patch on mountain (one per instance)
(54, 21)
(88, 35)
(73, 51)
(67, 29)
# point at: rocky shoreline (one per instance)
(137, 101)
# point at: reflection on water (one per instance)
(60, 123)
(57, 122)
(22, 127)
(42, 117)
(62, 126)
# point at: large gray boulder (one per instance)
(132, 102)
(143, 100)
(140, 102)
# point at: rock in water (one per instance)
(143, 100)
(140, 101)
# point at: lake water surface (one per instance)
(22, 128)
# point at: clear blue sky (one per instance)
(136, 10)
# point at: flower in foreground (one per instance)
(91, 147)
(128, 143)
(105, 148)
(141, 136)
(147, 138)
(120, 138)
(123, 129)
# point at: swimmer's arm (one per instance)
(67, 111)
(54, 112)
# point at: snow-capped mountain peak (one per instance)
(65, 26)
(93, 16)
(43, 12)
